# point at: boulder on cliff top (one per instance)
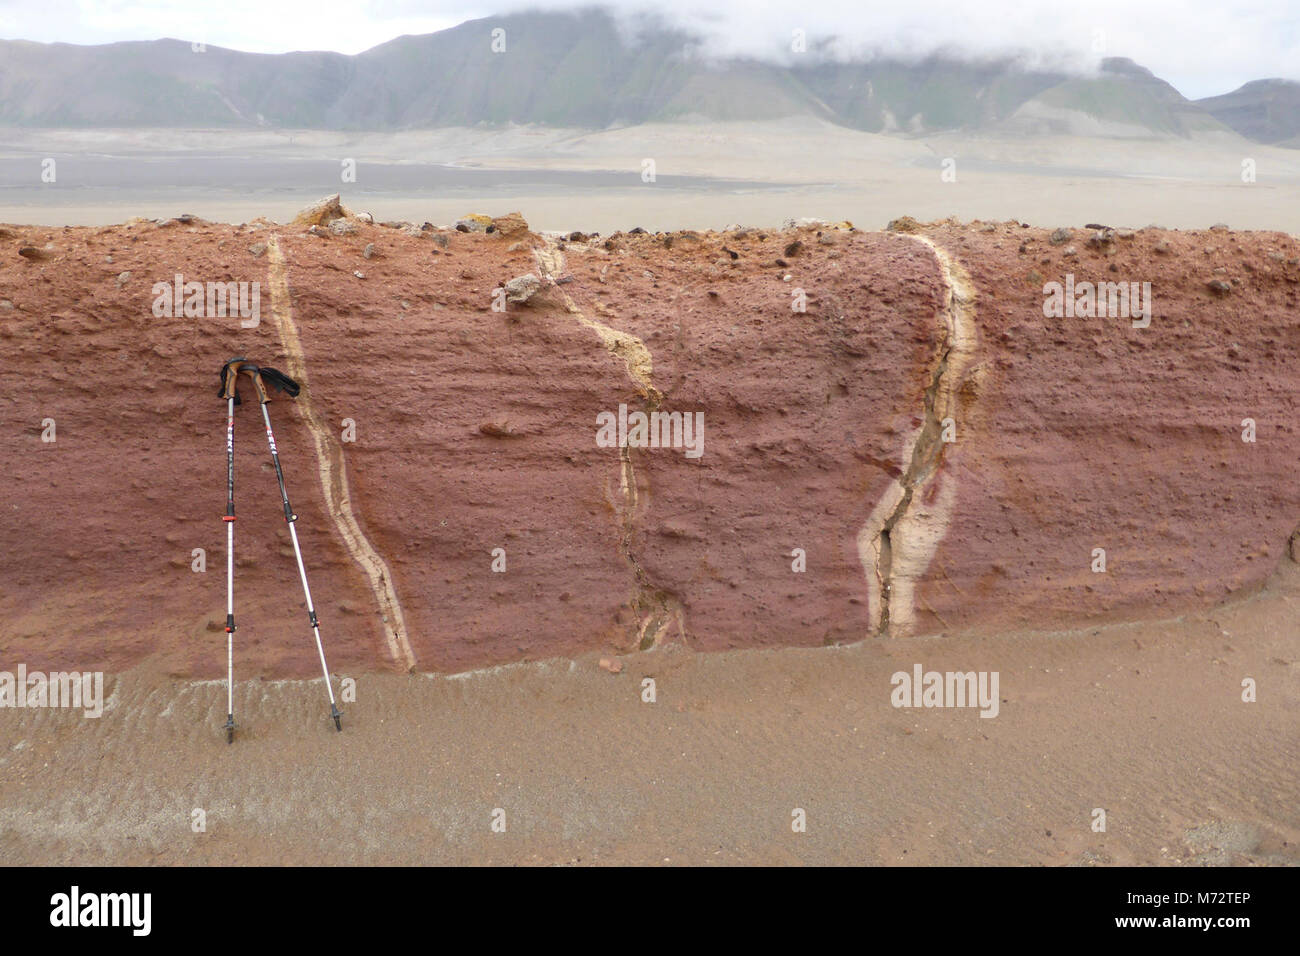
(512, 225)
(522, 288)
(322, 212)
(903, 224)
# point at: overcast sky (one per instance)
(1203, 47)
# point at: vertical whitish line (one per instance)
(333, 469)
(899, 539)
(660, 610)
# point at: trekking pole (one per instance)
(229, 381)
(286, 384)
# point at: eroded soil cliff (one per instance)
(895, 439)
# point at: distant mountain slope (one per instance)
(1267, 111)
(1124, 99)
(575, 69)
(166, 83)
(935, 93)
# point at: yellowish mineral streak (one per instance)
(659, 613)
(628, 348)
(899, 539)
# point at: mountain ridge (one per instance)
(580, 69)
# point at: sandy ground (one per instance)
(823, 170)
(1145, 721)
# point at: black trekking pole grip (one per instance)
(230, 378)
(265, 375)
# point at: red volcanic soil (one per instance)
(476, 429)
(1091, 433)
